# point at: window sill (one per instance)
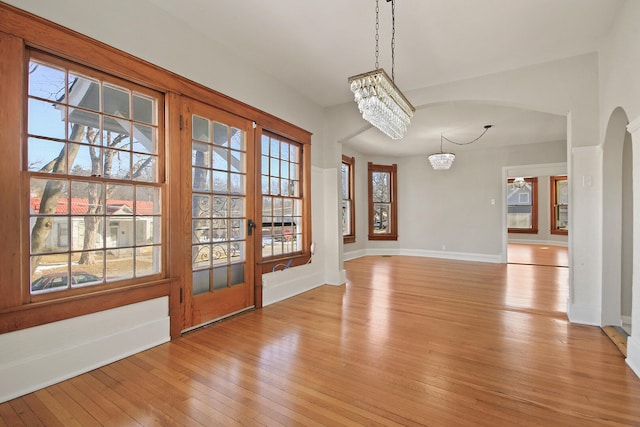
(349, 239)
(383, 237)
(523, 230)
(297, 259)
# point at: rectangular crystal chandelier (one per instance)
(381, 103)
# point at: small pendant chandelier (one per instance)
(379, 100)
(443, 161)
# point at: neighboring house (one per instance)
(119, 232)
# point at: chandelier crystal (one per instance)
(379, 100)
(441, 161)
(381, 103)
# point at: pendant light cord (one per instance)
(486, 128)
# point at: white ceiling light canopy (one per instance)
(443, 161)
(379, 100)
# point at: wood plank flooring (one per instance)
(518, 253)
(408, 341)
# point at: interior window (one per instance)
(382, 202)
(522, 205)
(559, 204)
(348, 206)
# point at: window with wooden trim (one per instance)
(383, 216)
(47, 174)
(282, 196)
(348, 199)
(94, 165)
(522, 205)
(559, 191)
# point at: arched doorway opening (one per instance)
(617, 265)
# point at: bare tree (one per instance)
(92, 220)
(52, 190)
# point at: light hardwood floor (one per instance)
(518, 253)
(408, 341)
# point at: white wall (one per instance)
(34, 358)
(449, 214)
(566, 87)
(627, 225)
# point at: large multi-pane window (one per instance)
(559, 205)
(282, 198)
(93, 157)
(348, 207)
(522, 205)
(382, 202)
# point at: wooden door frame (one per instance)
(181, 214)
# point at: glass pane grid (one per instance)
(281, 202)
(97, 233)
(218, 217)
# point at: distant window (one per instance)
(383, 214)
(522, 205)
(348, 207)
(559, 205)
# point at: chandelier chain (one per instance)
(377, 35)
(379, 100)
(393, 40)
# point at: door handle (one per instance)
(250, 226)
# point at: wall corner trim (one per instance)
(633, 354)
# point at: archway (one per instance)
(617, 262)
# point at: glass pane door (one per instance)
(221, 277)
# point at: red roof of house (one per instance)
(81, 206)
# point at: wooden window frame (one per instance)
(20, 31)
(534, 208)
(351, 163)
(392, 171)
(159, 183)
(553, 202)
(293, 259)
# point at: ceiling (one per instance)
(314, 46)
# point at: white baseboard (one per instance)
(280, 285)
(625, 320)
(60, 356)
(584, 314)
(459, 256)
(633, 355)
(355, 254)
(539, 242)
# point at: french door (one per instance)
(219, 152)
